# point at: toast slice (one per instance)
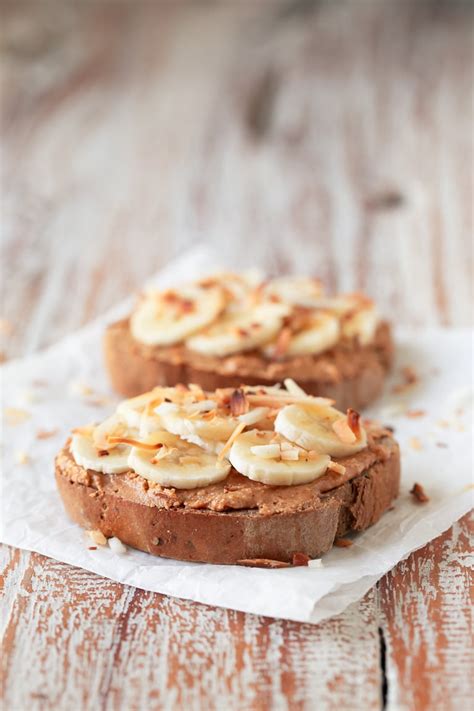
(236, 520)
(351, 374)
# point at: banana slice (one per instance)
(240, 331)
(131, 410)
(361, 325)
(164, 318)
(87, 455)
(322, 428)
(202, 423)
(268, 458)
(299, 291)
(321, 333)
(178, 464)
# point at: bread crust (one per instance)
(234, 536)
(353, 377)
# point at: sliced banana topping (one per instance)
(107, 461)
(132, 409)
(179, 464)
(240, 331)
(270, 459)
(202, 423)
(184, 437)
(296, 290)
(230, 312)
(164, 318)
(322, 428)
(318, 332)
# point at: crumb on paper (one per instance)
(99, 401)
(415, 443)
(77, 387)
(415, 413)
(343, 542)
(395, 409)
(16, 415)
(38, 383)
(29, 397)
(98, 537)
(6, 327)
(300, 559)
(263, 563)
(315, 563)
(92, 548)
(409, 379)
(116, 545)
(22, 457)
(442, 445)
(419, 493)
(46, 434)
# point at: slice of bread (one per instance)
(281, 524)
(351, 374)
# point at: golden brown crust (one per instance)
(98, 502)
(351, 374)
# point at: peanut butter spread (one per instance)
(345, 360)
(236, 492)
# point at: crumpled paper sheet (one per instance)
(66, 386)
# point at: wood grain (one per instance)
(330, 138)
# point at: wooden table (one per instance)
(333, 138)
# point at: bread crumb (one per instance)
(419, 493)
(15, 415)
(98, 537)
(6, 327)
(415, 443)
(300, 559)
(76, 387)
(46, 434)
(343, 543)
(22, 457)
(415, 413)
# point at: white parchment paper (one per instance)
(66, 386)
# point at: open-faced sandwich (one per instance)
(230, 476)
(234, 328)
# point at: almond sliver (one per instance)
(343, 431)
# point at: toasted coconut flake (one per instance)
(46, 434)
(77, 387)
(293, 388)
(239, 404)
(240, 428)
(353, 420)
(343, 431)
(98, 537)
(282, 342)
(263, 563)
(203, 406)
(116, 546)
(22, 457)
(415, 443)
(254, 416)
(135, 443)
(16, 415)
(266, 451)
(336, 467)
(300, 559)
(419, 493)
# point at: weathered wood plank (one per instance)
(426, 606)
(73, 638)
